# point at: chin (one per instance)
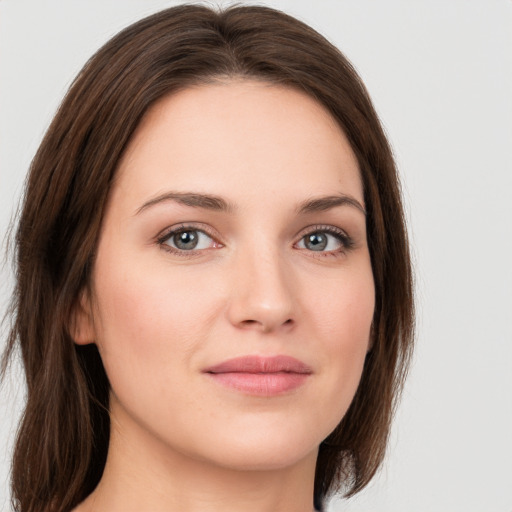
(264, 450)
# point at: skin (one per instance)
(180, 440)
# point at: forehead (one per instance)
(234, 136)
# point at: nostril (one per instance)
(264, 325)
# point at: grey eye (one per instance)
(190, 239)
(320, 241)
(186, 240)
(315, 241)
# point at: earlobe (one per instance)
(81, 326)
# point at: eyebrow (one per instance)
(195, 200)
(217, 203)
(320, 204)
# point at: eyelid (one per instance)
(168, 232)
(328, 228)
(320, 227)
(345, 239)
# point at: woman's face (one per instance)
(232, 291)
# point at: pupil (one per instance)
(316, 241)
(186, 240)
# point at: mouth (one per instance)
(261, 376)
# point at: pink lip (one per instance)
(262, 376)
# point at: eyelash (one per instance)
(183, 228)
(345, 240)
(347, 243)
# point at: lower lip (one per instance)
(261, 384)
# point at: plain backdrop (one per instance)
(440, 74)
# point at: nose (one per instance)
(262, 293)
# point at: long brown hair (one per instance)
(63, 437)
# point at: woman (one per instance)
(214, 299)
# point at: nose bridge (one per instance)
(262, 289)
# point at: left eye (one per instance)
(188, 240)
(321, 241)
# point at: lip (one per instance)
(260, 375)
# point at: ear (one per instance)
(81, 326)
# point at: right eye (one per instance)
(187, 240)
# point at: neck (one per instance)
(142, 474)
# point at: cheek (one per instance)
(151, 324)
(144, 310)
(343, 318)
(343, 309)
(147, 318)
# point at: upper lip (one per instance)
(260, 364)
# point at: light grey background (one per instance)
(440, 74)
